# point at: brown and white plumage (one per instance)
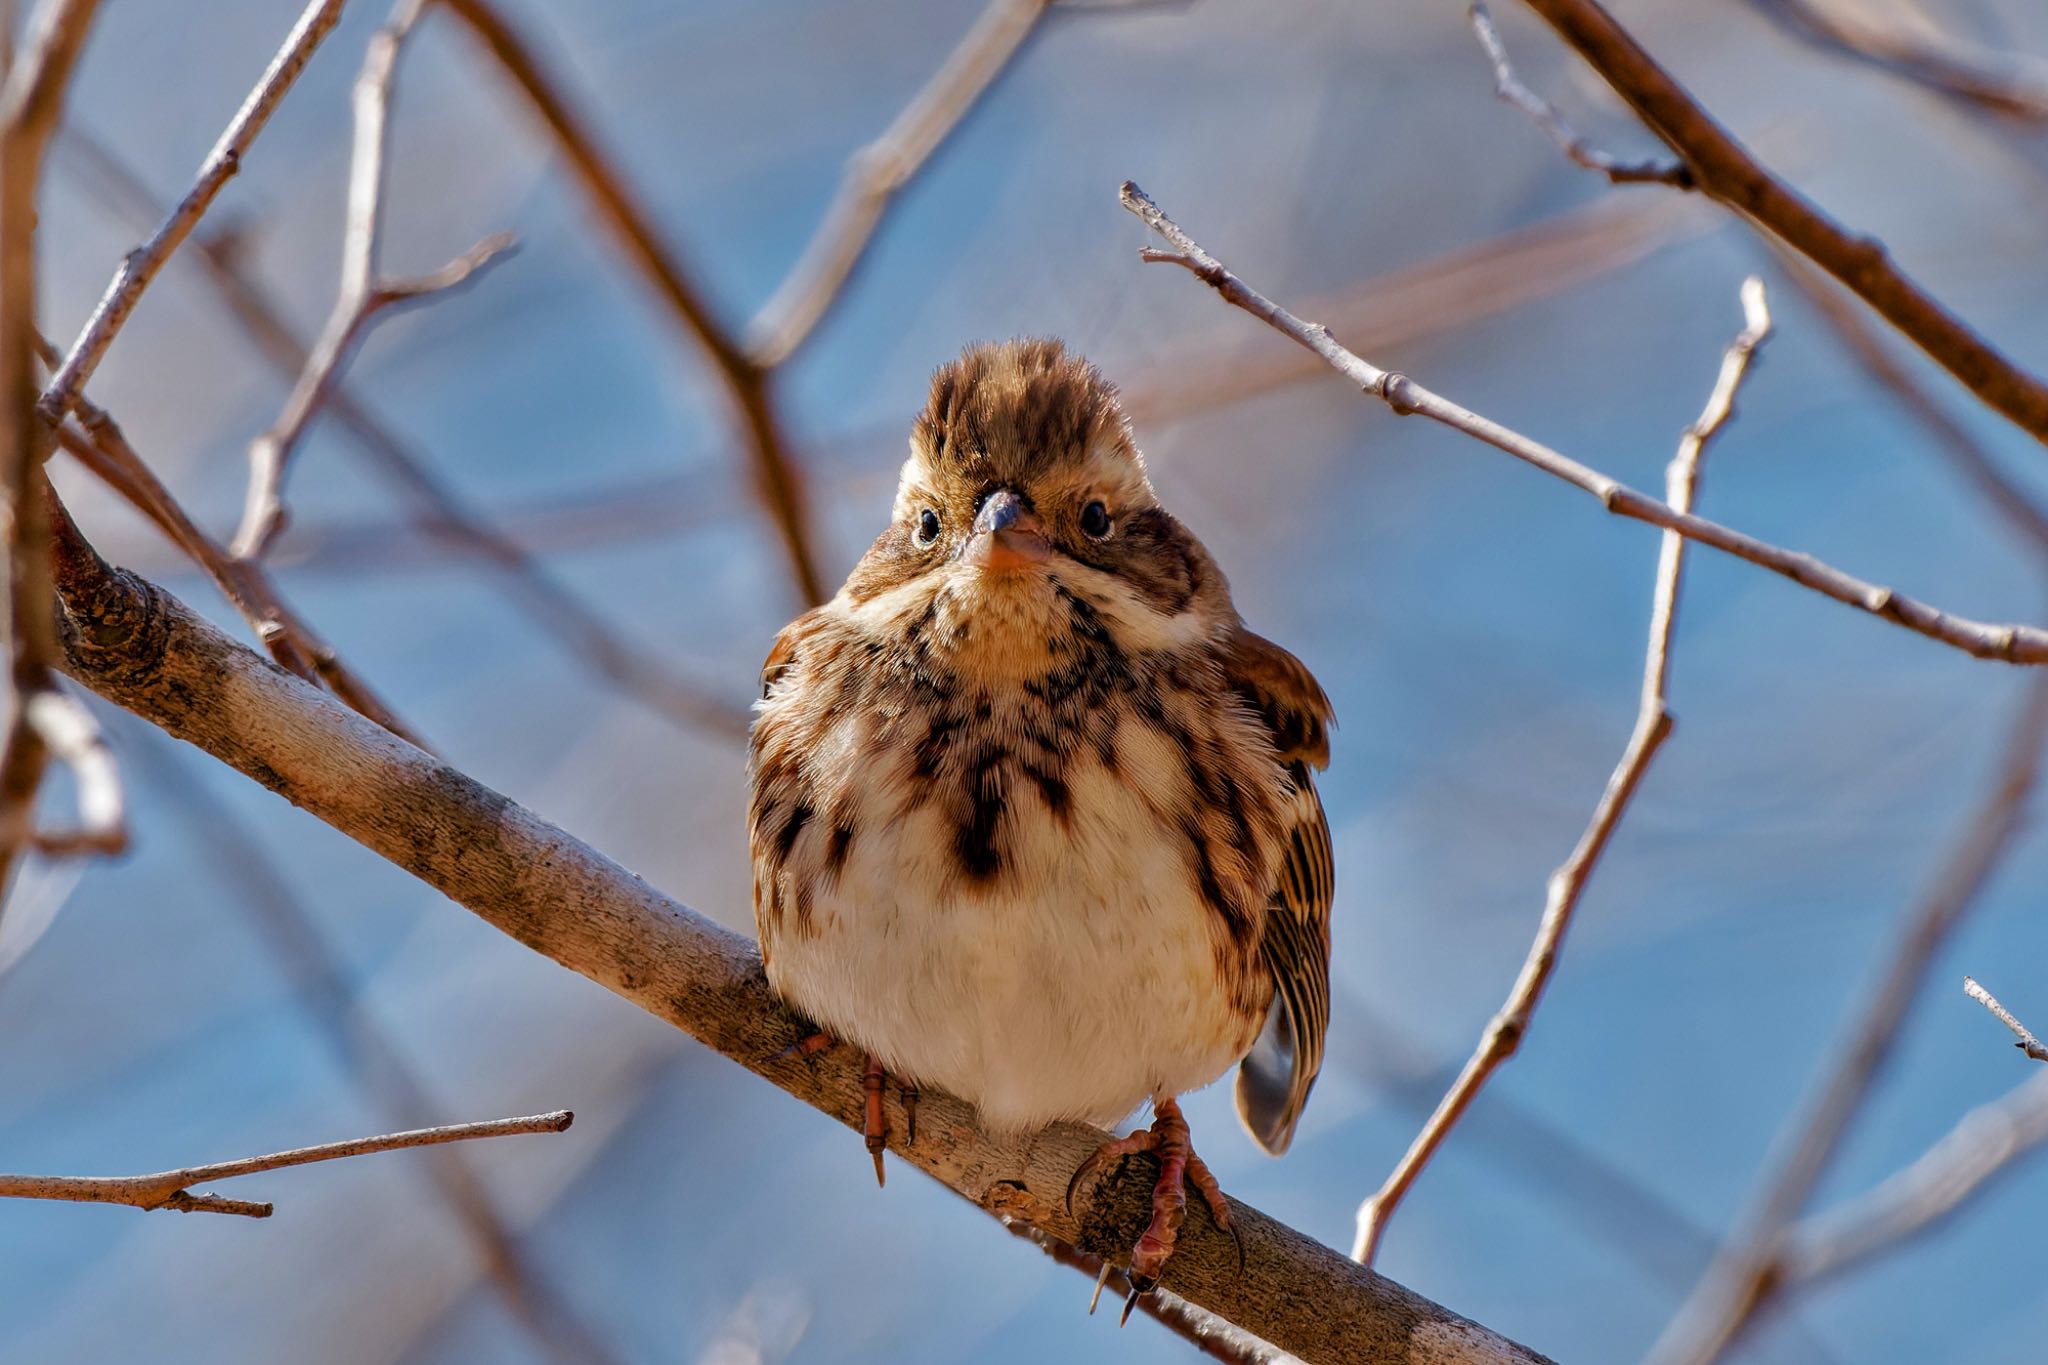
(1032, 817)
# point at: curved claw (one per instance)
(1140, 1284)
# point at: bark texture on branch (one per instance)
(139, 647)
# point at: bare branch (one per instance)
(1984, 1144)
(171, 1189)
(1540, 112)
(2027, 1043)
(102, 447)
(142, 264)
(554, 608)
(879, 170)
(364, 291)
(1504, 1033)
(1748, 1273)
(2005, 83)
(140, 648)
(2013, 643)
(37, 713)
(69, 732)
(776, 475)
(1724, 170)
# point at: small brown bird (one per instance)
(1032, 817)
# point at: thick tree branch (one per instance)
(1504, 1033)
(1749, 1272)
(748, 384)
(142, 264)
(140, 648)
(172, 1189)
(2013, 643)
(1725, 171)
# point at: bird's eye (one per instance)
(1095, 520)
(927, 527)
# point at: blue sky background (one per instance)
(1478, 626)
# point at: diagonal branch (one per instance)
(878, 171)
(1504, 1033)
(141, 265)
(171, 1189)
(1723, 170)
(137, 646)
(776, 475)
(364, 293)
(1998, 82)
(1748, 1273)
(2026, 1041)
(2012, 643)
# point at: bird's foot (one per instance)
(1179, 1168)
(874, 1084)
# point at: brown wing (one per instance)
(1275, 1077)
(783, 653)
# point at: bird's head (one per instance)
(1024, 513)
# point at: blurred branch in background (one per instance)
(1909, 45)
(42, 720)
(2026, 1041)
(878, 171)
(140, 648)
(1749, 1272)
(2012, 643)
(365, 291)
(574, 624)
(169, 1189)
(1505, 1031)
(1724, 171)
(141, 265)
(362, 1049)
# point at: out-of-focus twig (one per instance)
(41, 719)
(438, 510)
(2012, 643)
(365, 292)
(878, 171)
(748, 384)
(364, 1049)
(1950, 436)
(141, 265)
(2006, 83)
(1578, 150)
(1504, 1033)
(2026, 1041)
(1724, 170)
(1984, 1144)
(171, 1189)
(1747, 1274)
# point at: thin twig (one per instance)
(1724, 170)
(1504, 1033)
(574, 624)
(1984, 1144)
(1544, 115)
(2013, 643)
(142, 264)
(2005, 83)
(73, 738)
(40, 719)
(171, 1189)
(878, 171)
(1745, 1277)
(364, 291)
(2027, 1043)
(777, 478)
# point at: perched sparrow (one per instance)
(1032, 820)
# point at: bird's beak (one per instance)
(1007, 537)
